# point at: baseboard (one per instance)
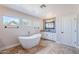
(9, 46)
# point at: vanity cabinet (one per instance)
(67, 30)
(49, 35)
(49, 29)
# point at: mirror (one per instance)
(49, 25)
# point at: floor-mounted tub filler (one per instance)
(30, 41)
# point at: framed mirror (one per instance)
(49, 25)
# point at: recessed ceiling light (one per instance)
(43, 6)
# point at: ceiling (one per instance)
(51, 10)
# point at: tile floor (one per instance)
(20, 50)
(57, 48)
(45, 47)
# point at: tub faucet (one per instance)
(28, 33)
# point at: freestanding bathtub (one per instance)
(30, 41)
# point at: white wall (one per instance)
(8, 36)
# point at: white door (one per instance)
(74, 31)
(69, 30)
(78, 31)
(66, 30)
(58, 29)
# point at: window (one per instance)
(8, 21)
(13, 22)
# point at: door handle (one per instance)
(62, 32)
(75, 31)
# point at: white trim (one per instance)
(9, 46)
